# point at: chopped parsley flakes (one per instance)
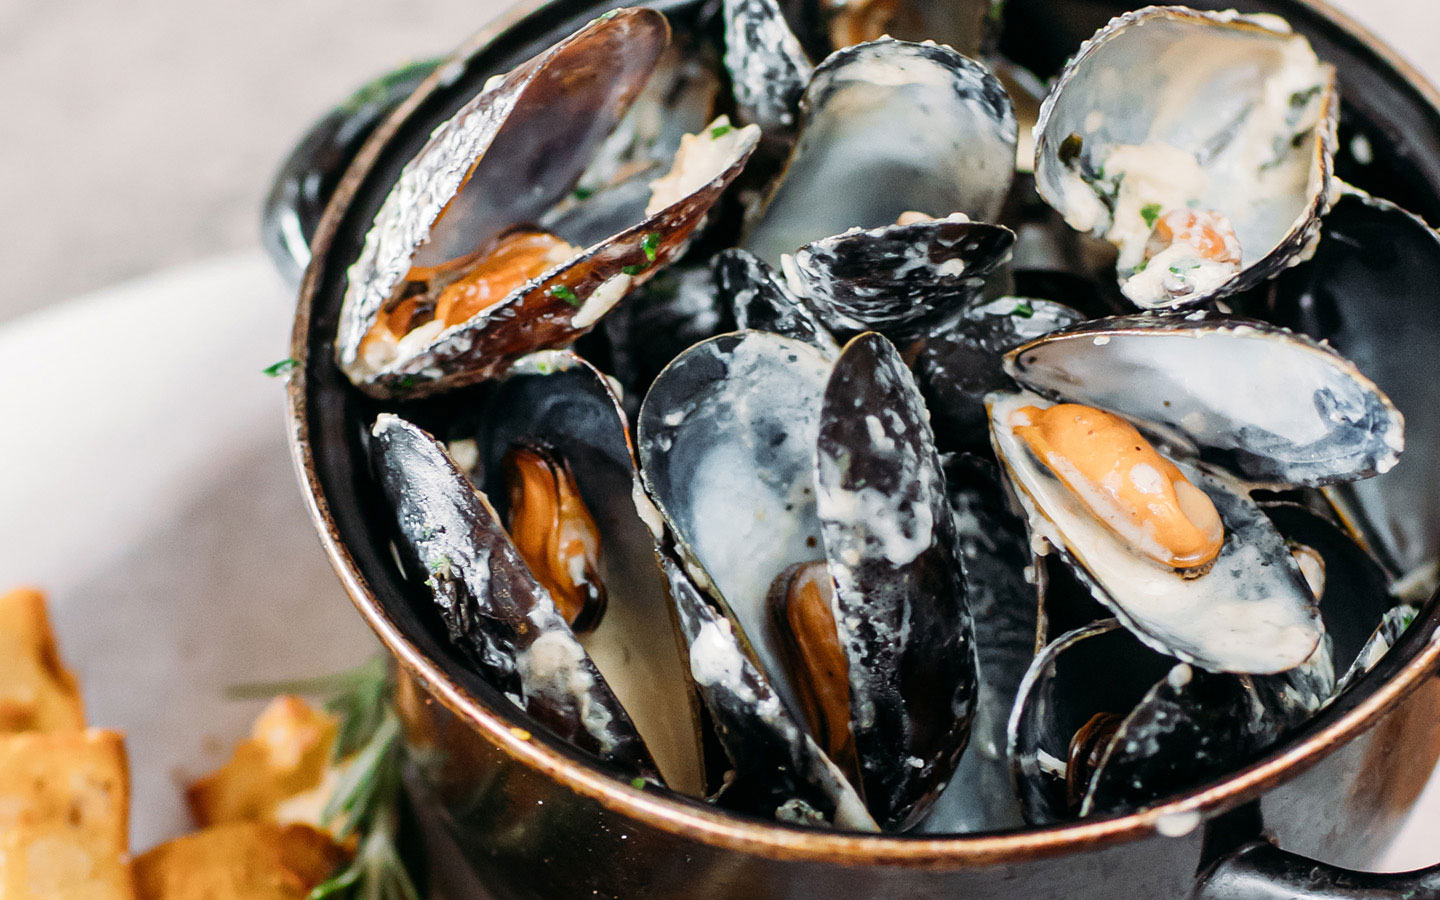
(564, 292)
(1150, 212)
(650, 243)
(283, 367)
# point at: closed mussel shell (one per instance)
(904, 281)
(763, 302)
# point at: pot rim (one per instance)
(686, 817)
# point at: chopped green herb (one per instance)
(720, 131)
(650, 243)
(1150, 212)
(996, 12)
(283, 367)
(1140, 268)
(563, 292)
(632, 270)
(583, 193)
(637, 783)
(408, 381)
(1024, 309)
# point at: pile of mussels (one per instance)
(771, 460)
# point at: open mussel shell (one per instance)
(495, 611)
(995, 553)
(904, 127)
(900, 601)
(1272, 406)
(1367, 291)
(557, 401)
(727, 440)
(957, 368)
(1170, 108)
(768, 69)
(1190, 727)
(679, 98)
(779, 771)
(1250, 612)
(1086, 679)
(904, 281)
(1104, 725)
(457, 195)
(831, 460)
(762, 301)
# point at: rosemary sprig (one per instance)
(366, 800)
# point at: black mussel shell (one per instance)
(495, 611)
(768, 69)
(904, 281)
(763, 302)
(779, 771)
(995, 553)
(900, 599)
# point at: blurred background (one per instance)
(139, 135)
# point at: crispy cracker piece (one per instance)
(64, 805)
(285, 756)
(239, 861)
(37, 693)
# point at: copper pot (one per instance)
(520, 815)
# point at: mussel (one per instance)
(1365, 292)
(1200, 144)
(494, 609)
(1170, 540)
(831, 460)
(1156, 544)
(452, 284)
(906, 127)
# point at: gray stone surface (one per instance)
(137, 135)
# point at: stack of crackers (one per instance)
(65, 794)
